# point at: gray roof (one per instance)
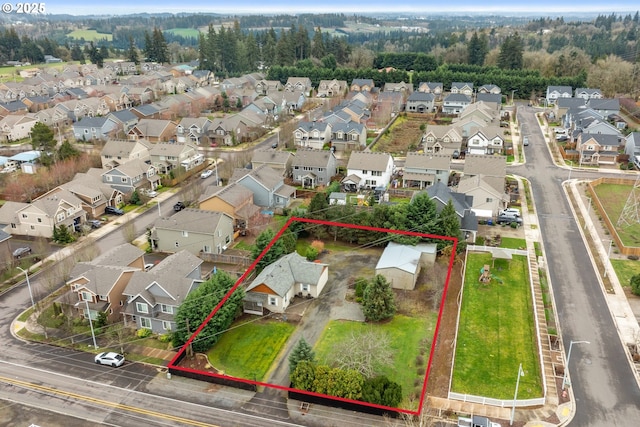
(118, 147)
(561, 89)
(121, 255)
(489, 97)
(8, 211)
(146, 109)
(271, 156)
(4, 236)
(263, 175)
(421, 97)
(479, 164)
(310, 126)
(427, 161)
(369, 160)
(460, 85)
(282, 274)
(457, 97)
(123, 115)
(571, 102)
(193, 220)
(92, 122)
(234, 194)
(312, 158)
(404, 257)
(50, 202)
(347, 127)
(181, 263)
(101, 278)
(175, 286)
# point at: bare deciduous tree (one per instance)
(129, 231)
(366, 353)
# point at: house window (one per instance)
(227, 239)
(166, 308)
(206, 249)
(185, 233)
(33, 227)
(166, 325)
(24, 215)
(273, 300)
(60, 217)
(177, 244)
(39, 219)
(142, 307)
(365, 172)
(376, 173)
(489, 200)
(145, 323)
(86, 296)
(109, 178)
(102, 297)
(123, 179)
(304, 287)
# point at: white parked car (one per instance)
(110, 358)
(206, 174)
(510, 212)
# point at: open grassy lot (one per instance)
(248, 349)
(513, 243)
(89, 35)
(496, 332)
(184, 32)
(303, 243)
(625, 269)
(410, 337)
(404, 135)
(613, 197)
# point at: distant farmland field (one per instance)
(184, 32)
(89, 35)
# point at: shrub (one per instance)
(318, 245)
(312, 253)
(633, 257)
(635, 284)
(165, 337)
(361, 284)
(144, 333)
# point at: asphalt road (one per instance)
(604, 386)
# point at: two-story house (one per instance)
(89, 128)
(166, 157)
(153, 130)
(632, 148)
(299, 84)
(555, 92)
(489, 88)
(487, 201)
(15, 128)
(278, 160)
(119, 151)
(314, 167)
(488, 140)
(465, 88)
(194, 130)
(331, 88)
(233, 200)
(443, 139)
(588, 93)
(454, 103)
(267, 186)
(312, 135)
(194, 230)
(368, 170)
(348, 136)
(421, 102)
(423, 170)
(131, 176)
(492, 169)
(362, 85)
(154, 297)
(124, 119)
(597, 149)
(431, 87)
(442, 195)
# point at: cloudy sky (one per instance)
(544, 7)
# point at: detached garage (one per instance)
(401, 264)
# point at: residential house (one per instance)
(37, 103)
(294, 101)
(348, 136)
(391, 102)
(5, 248)
(55, 208)
(401, 264)
(556, 92)
(146, 111)
(154, 297)
(454, 103)
(398, 87)
(194, 130)
(605, 106)
(443, 139)
(597, 149)
(15, 128)
(423, 170)
(153, 130)
(13, 107)
(487, 201)
(632, 148)
(92, 128)
(119, 151)
(430, 87)
(279, 161)
(279, 282)
(489, 88)
(462, 204)
(299, 84)
(125, 121)
(464, 88)
(314, 167)
(493, 169)
(131, 176)
(93, 179)
(588, 93)
(312, 135)
(265, 87)
(362, 85)
(233, 200)
(194, 230)
(331, 88)
(368, 170)
(490, 98)
(338, 198)
(267, 186)
(421, 102)
(488, 140)
(92, 198)
(166, 157)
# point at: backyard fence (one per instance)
(503, 403)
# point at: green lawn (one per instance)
(405, 334)
(89, 35)
(329, 244)
(496, 332)
(513, 243)
(248, 349)
(625, 269)
(613, 197)
(184, 32)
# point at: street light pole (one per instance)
(566, 368)
(93, 335)
(515, 396)
(512, 93)
(26, 274)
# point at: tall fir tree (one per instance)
(132, 52)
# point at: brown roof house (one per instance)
(493, 169)
(153, 130)
(233, 200)
(119, 151)
(279, 282)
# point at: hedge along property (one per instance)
(380, 237)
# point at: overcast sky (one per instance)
(507, 7)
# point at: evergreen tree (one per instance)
(317, 45)
(160, 47)
(274, 253)
(132, 52)
(149, 50)
(511, 53)
(104, 52)
(302, 351)
(67, 151)
(421, 214)
(42, 138)
(477, 49)
(76, 53)
(95, 56)
(378, 301)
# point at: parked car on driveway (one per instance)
(502, 219)
(206, 174)
(20, 252)
(109, 358)
(179, 206)
(114, 211)
(511, 212)
(94, 223)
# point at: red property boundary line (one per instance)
(172, 364)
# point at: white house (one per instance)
(367, 169)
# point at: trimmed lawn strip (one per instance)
(625, 269)
(497, 332)
(613, 197)
(405, 335)
(513, 243)
(248, 349)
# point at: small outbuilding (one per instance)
(401, 264)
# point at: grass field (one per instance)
(248, 350)
(184, 32)
(513, 243)
(405, 334)
(613, 197)
(625, 269)
(496, 332)
(89, 35)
